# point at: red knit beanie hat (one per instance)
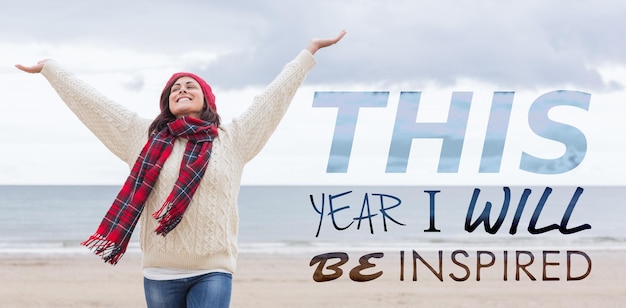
(206, 89)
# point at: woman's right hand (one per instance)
(34, 69)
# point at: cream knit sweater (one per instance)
(206, 238)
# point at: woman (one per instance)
(185, 176)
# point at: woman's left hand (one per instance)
(317, 43)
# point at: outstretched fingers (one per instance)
(318, 43)
(33, 69)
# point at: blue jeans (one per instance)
(208, 290)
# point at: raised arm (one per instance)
(113, 124)
(255, 126)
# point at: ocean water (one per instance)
(320, 219)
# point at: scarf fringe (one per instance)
(162, 212)
(168, 218)
(108, 250)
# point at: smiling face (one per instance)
(186, 98)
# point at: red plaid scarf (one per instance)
(113, 234)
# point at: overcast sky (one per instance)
(128, 49)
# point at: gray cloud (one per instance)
(511, 44)
(136, 83)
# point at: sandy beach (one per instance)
(264, 280)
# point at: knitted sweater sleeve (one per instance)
(255, 126)
(119, 129)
